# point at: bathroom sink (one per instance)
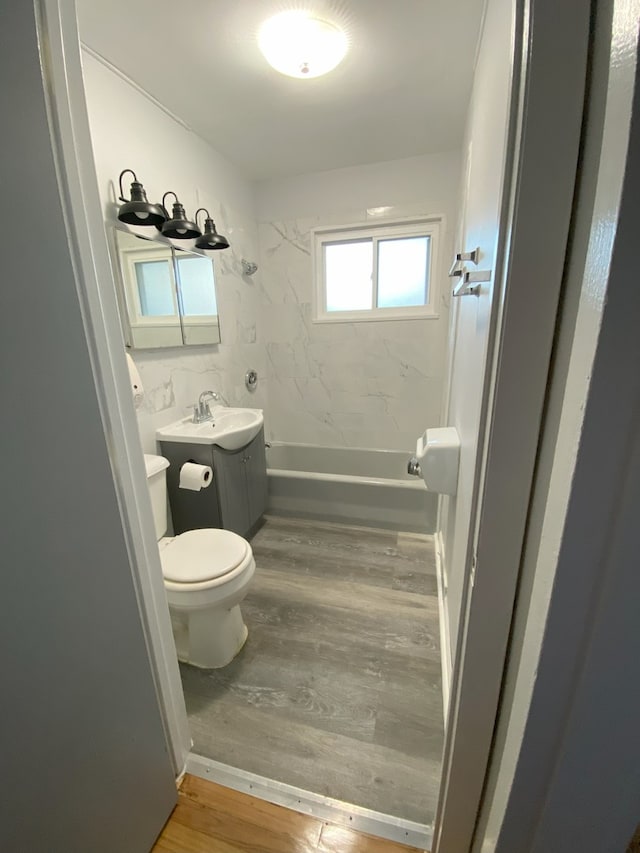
(230, 428)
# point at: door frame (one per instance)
(550, 52)
(71, 141)
(553, 38)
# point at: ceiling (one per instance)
(401, 91)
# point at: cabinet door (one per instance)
(256, 473)
(232, 489)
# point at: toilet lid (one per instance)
(202, 555)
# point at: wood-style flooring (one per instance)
(212, 819)
(338, 688)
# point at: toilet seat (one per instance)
(203, 556)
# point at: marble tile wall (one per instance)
(376, 384)
(122, 122)
(174, 378)
(372, 385)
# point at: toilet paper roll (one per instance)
(195, 477)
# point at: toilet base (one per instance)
(209, 639)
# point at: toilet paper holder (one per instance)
(437, 459)
(194, 476)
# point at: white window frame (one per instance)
(430, 226)
(144, 255)
(137, 319)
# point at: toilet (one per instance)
(206, 573)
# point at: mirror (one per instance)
(196, 298)
(167, 296)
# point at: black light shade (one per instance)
(138, 210)
(210, 240)
(179, 227)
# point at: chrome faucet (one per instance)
(201, 410)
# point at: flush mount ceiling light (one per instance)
(299, 45)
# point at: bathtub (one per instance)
(351, 485)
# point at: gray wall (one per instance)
(84, 758)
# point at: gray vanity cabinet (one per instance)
(237, 497)
(256, 475)
(242, 485)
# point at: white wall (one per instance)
(431, 178)
(129, 131)
(375, 384)
(473, 321)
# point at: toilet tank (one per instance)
(157, 479)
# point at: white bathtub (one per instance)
(352, 485)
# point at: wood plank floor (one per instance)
(338, 688)
(213, 819)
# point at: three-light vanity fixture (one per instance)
(139, 211)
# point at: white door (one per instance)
(522, 147)
(473, 310)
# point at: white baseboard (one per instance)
(445, 639)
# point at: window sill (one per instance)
(364, 317)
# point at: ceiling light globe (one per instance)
(298, 45)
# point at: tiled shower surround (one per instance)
(174, 378)
(364, 384)
(375, 384)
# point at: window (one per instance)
(376, 273)
(155, 288)
(153, 295)
(197, 290)
(150, 285)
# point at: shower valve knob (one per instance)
(251, 380)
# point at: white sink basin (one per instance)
(230, 428)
